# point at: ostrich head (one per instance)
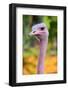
(40, 31)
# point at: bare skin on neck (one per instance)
(40, 67)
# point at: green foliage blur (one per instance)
(30, 42)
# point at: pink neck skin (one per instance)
(43, 47)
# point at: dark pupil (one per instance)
(42, 28)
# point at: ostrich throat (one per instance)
(43, 48)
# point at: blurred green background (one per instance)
(31, 46)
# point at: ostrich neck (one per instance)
(43, 47)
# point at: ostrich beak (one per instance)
(31, 33)
(34, 33)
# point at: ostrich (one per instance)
(41, 32)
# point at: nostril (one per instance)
(34, 31)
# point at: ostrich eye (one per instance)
(42, 28)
